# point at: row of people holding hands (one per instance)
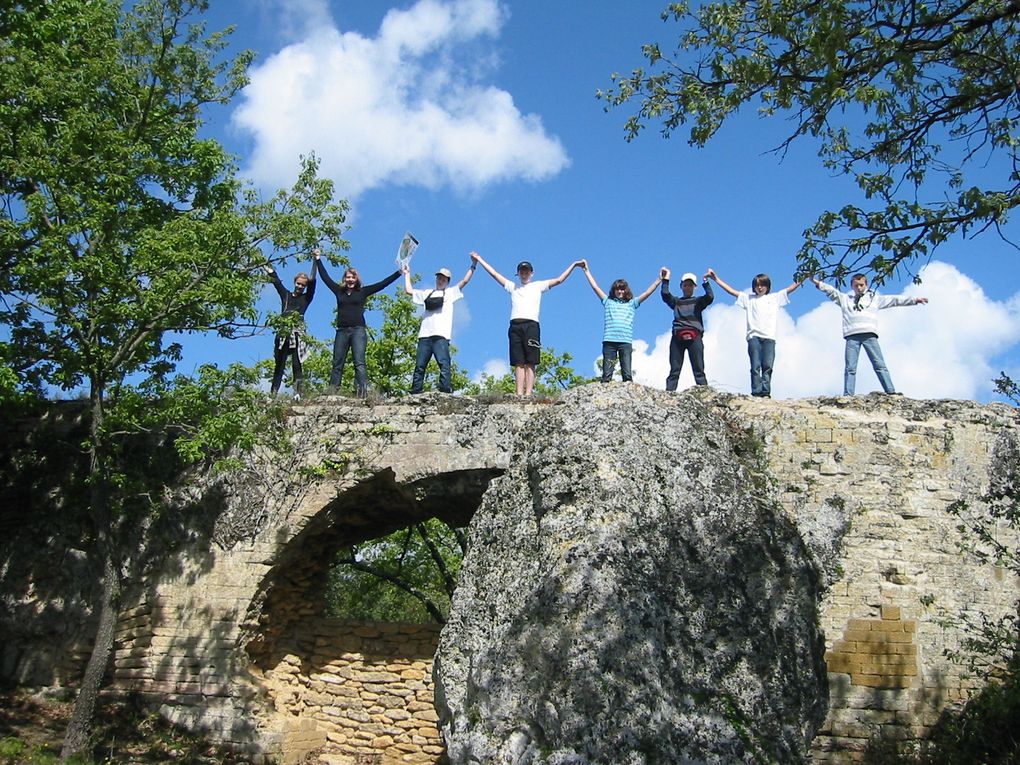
(859, 309)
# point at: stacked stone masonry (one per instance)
(231, 639)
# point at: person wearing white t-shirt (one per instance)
(436, 325)
(762, 307)
(525, 333)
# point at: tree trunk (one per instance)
(79, 728)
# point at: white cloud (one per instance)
(406, 107)
(492, 368)
(941, 350)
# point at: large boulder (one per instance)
(631, 594)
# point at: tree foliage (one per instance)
(407, 576)
(553, 375)
(121, 226)
(916, 101)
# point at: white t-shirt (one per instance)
(762, 312)
(437, 323)
(526, 299)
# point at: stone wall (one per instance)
(367, 688)
(214, 636)
(868, 481)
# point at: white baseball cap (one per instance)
(444, 272)
(690, 276)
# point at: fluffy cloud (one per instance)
(406, 107)
(945, 349)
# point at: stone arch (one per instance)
(330, 683)
(293, 590)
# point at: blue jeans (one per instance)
(762, 353)
(869, 341)
(427, 348)
(356, 339)
(610, 351)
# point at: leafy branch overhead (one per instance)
(918, 102)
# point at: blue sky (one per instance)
(474, 124)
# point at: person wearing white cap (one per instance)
(688, 327)
(436, 329)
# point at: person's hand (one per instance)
(405, 269)
(475, 257)
(584, 264)
(267, 268)
(922, 301)
(664, 274)
(316, 252)
(710, 274)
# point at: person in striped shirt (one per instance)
(618, 328)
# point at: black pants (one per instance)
(696, 350)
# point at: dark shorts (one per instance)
(525, 343)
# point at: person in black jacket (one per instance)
(688, 327)
(351, 332)
(292, 341)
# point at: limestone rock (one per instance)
(627, 598)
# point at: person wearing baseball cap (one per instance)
(525, 334)
(688, 326)
(436, 329)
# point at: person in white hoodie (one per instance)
(860, 309)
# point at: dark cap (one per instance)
(524, 266)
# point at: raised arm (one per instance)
(408, 287)
(726, 288)
(563, 277)
(470, 272)
(325, 275)
(371, 289)
(492, 271)
(591, 280)
(793, 286)
(648, 292)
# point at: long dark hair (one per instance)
(621, 284)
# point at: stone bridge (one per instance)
(230, 637)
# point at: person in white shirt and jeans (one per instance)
(860, 309)
(762, 306)
(436, 329)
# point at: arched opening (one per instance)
(358, 688)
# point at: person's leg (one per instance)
(608, 360)
(676, 362)
(298, 370)
(359, 344)
(529, 379)
(441, 350)
(420, 363)
(696, 350)
(520, 379)
(754, 355)
(279, 364)
(850, 356)
(874, 351)
(768, 358)
(626, 350)
(341, 343)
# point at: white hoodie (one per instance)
(862, 315)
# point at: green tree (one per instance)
(407, 576)
(917, 102)
(120, 225)
(553, 376)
